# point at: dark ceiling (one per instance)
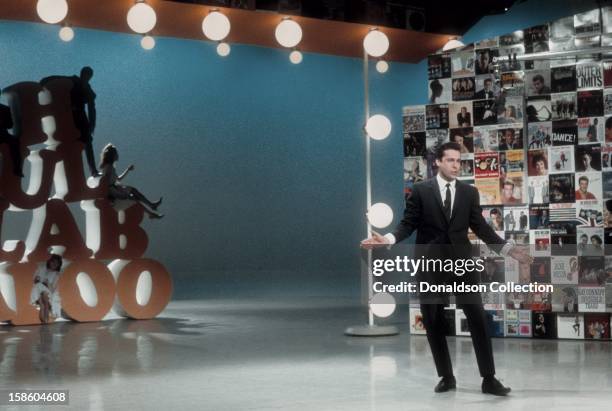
(434, 16)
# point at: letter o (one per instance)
(73, 305)
(127, 283)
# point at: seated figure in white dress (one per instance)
(123, 196)
(44, 291)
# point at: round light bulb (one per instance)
(52, 11)
(295, 57)
(380, 215)
(141, 18)
(216, 26)
(147, 43)
(66, 34)
(382, 66)
(288, 33)
(382, 305)
(223, 49)
(378, 127)
(376, 43)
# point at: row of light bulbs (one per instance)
(141, 18)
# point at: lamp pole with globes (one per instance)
(380, 215)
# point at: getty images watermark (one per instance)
(437, 266)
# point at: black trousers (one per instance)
(435, 325)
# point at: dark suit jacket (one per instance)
(464, 119)
(437, 235)
(482, 94)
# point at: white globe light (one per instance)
(223, 49)
(382, 305)
(378, 127)
(382, 66)
(376, 43)
(52, 11)
(288, 33)
(452, 44)
(380, 215)
(141, 18)
(147, 43)
(66, 33)
(216, 26)
(295, 57)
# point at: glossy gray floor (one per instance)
(267, 355)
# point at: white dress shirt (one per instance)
(442, 186)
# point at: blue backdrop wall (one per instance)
(260, 162)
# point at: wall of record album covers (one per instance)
(536, 141)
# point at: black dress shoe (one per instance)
(491, 385)
(446, 384)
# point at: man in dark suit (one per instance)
(487, 90)
(464, 119)
(441, 210)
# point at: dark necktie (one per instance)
(447, 201)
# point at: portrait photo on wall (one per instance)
(487, 87)
(538, 216)
(511, 190)
(607, 184)
(606, 157)
(494, 217)
(540, 269)
(562, 28)
(588, 186)
(563, 269)
(607, 102)
(460, 114)
(510, 110)
(488, 189)
(485, 112)
(563, 106)
(510, 138)
(588, 157)
(516, 218)
(536, 39)
(564, 133)
(439, 91)
(484, 60)
(587, 23)
(561, 159)
(436, 116)
(563, 79)
(464, 137)
(512, 64)
(537, 82)
(539, 135)
(537, 162)
(561, 188)
(607, 73)
(541, 241)
(590, 130)
(467, 168)
(486, 165)
(563, 239)
(439, 66)
(463, 88)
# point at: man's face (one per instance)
(540, 167)
(459, 139)
(586, 161)
(537, 85)
(508, 189)
(608, 134)
(463, 110)
(584, 185)
(487, 85)
(449, 165)
(584, 239)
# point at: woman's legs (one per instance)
(137, 195)
(43, 313)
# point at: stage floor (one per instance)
(286, 355)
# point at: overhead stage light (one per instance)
(288, 33)
(376, 43)
(66, 33)
(378, 127)
(52, 11)
(216, 26)
(141, 18)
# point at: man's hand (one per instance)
(375, 241)
(521, 254)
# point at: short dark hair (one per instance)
(509, 183)
(583, 178)
(538, 157)
(538, 77)
(447, 146)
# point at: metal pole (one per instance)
(366, 104)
